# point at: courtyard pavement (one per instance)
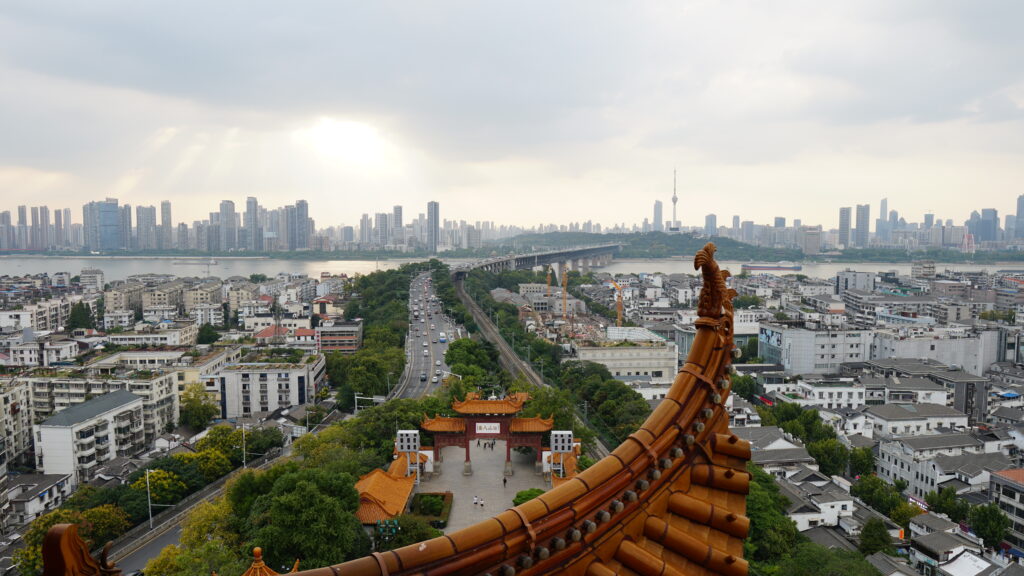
(488, 471)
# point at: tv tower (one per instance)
(675, 200)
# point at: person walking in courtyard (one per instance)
(475, 501)
(504, 482)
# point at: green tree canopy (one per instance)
(989, 523)
(875, 537)
(411, 529)
(80, 316)
(524, 496)
(207, 334)
(945, 501)
(831, 455)
(809, 559)
(862, 461)
(198, 408)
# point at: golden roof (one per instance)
(443, 424)
(258, 568)
(382, 495)
(534, 424)
(473, 404)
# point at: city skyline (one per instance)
(785, 104)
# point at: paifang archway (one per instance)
(485, 420)
(669, 500)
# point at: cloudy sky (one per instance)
(519, 112)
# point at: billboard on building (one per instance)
(770, 337)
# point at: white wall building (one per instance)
(972, 351)
(76, 440)
(250, 388)
(802, 350)
(918, 419)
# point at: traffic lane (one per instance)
(137, 559)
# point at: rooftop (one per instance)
(91, 408)
(912, 411)
(938, 441)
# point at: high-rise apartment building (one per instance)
(780, 222)
(365, 229)
(34, 241)
(127, 240)
(101, 223)
(22, 233)
(380, 229)
(659, 218)
(1019, 229)
(166, 226)
(397, 226)
(145, 227)
(251, 223)
(433, 226)
(844, 226)
(304, 232)
(863, 234)
(711, 225)
(228, 232)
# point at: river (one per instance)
(119, 268)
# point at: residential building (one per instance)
(971, 350)
(44, 352)
(801, 349)
(206, 293)
(247, 389)
(162, 334)
(339, 336)
(926, 462)
(814, 500)
(76, 440)
(904, 419)
(33, 495)
(15, 421)
(631, 352)
(91, 280)
(1006, 488)
(113, 318)
(209, 313)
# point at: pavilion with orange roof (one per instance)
(487, 420)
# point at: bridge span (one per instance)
(581, 258)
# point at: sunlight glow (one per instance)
(344, 140)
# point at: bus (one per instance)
(442, 338)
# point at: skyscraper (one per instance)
(304, 233)
(45, 233)
(882, 224)
(33, 231)
(101, 222)
(22, 235)
(1019, 229)
(433, 226)
(59, 233)
(397, 226)
(365, 230)
(780, 222)
(380, 229)
(659, 219)
(735, 224)
(228, 232)
(844, 226)
(251, 223)
(166, 226)
(862, 235)
(145, 227)
(127, 241)
(711, 225)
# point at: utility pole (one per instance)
(149, 500)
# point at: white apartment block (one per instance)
(166, 294)
(124, 296)
(77, 440)
(632, 352)
(905, 419)
(15, 420)
(160, 312)
(207, 293)
(123, 319)
(210, 313)
(156, 388)
(45, 315)
(291, 323)
(91, 280)
(250, 388)
(802, 350)
(925, 462)
(46, 352)
(32, 495)
(832, 393)
(814, 500)
(164, 334)
(971, 351)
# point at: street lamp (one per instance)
(149, 501)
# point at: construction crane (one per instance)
(618, 303)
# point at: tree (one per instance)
(903, 512)
(772, 533)
(747, 301)
(875, 537)
(744, 386)
(258, 278)
(30, 558)
(105, 523)
(411, 529)
(198, 408)
(989, 523)
(524, 496)
(809, 559)
(212, 464)
(164, 487)
(80, 316)
(946, 502)
(862, 461)
(831, 455)
(207, 334)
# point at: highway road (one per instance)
(424, 349)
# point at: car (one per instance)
(423, 376)
(435, 340)
(437, 362)
(437, 372)
(434, 380)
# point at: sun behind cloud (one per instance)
(345, 141)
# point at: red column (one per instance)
(465, 440)
(538, 448)
(508, 449)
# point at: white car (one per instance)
(434, 380)
(437, 363)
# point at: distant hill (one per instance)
(650, 245)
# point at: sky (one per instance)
(516, 112)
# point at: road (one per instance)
(137, 559)
(424, 348)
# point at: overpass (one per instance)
(577, 258)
